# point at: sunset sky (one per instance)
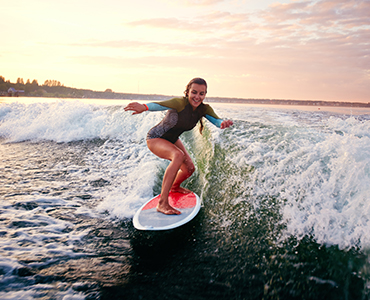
(305, 50)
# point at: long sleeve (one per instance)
(179, 104)
(152, 106)
(211, 116)
(174, 103)
(214, 121)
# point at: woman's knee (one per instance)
(178, 156)
(190, 168)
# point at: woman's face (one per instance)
(196, 95)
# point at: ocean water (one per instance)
(285, 214)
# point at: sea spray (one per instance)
(318, 173)
(67, 121)
(284, 212)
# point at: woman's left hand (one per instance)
(226, 124)
(136, 107)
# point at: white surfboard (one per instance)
(147, 217)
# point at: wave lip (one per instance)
(66, 121)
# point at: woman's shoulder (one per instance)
(208, 110)
(175, 103)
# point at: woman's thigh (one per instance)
(165, 149)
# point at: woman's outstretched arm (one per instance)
(220, 123)
(216, 120)
(138, 108)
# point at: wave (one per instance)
(293, 173)
(66, 121)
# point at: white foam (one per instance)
(316, 165)
(334, 188)
(124, 160)
(131, 170)
(41, 291)
(33, 234)
(65, 121)
(31, 238)
(318, 170)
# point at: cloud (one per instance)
(321, 44)
(201, 2)
(148, 48)
(167, 23)
(115, 44)
(296, 32)
(295, 21)
(337, 28)
(279, 72)
(211, 22)
(326, 13)
(329, 28)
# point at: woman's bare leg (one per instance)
(165, 149)
(186, 170)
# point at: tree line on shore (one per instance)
(55, 89)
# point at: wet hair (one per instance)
(196, 80)
(199, 81)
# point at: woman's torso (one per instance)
(175, 123)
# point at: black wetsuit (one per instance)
(179, 118)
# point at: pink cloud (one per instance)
(298, 20)
(168, 23)
(212, 21)
(324, 27)
(322, 13)
(202, 2)
(312, 47)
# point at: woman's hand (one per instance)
(226, 123)
(136, 107)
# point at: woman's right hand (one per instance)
(226, 124)
(136, 107)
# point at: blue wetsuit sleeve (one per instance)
(214, 121)
(155, 107)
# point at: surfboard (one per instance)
(147, 217)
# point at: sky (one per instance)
(287, 49)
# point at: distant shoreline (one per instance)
(316, 103)
(54, 89)
(154, 97)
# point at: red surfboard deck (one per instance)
(147, 217)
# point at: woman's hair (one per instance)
(199, 81)
(196, 80)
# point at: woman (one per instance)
(163, 139)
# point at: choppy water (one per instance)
(286, 210)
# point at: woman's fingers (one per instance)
(226, 123)
(136, 107)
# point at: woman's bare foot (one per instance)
(167, 210)
(181, 190)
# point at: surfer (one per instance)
(163, 139)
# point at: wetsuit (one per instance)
(179, 118)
